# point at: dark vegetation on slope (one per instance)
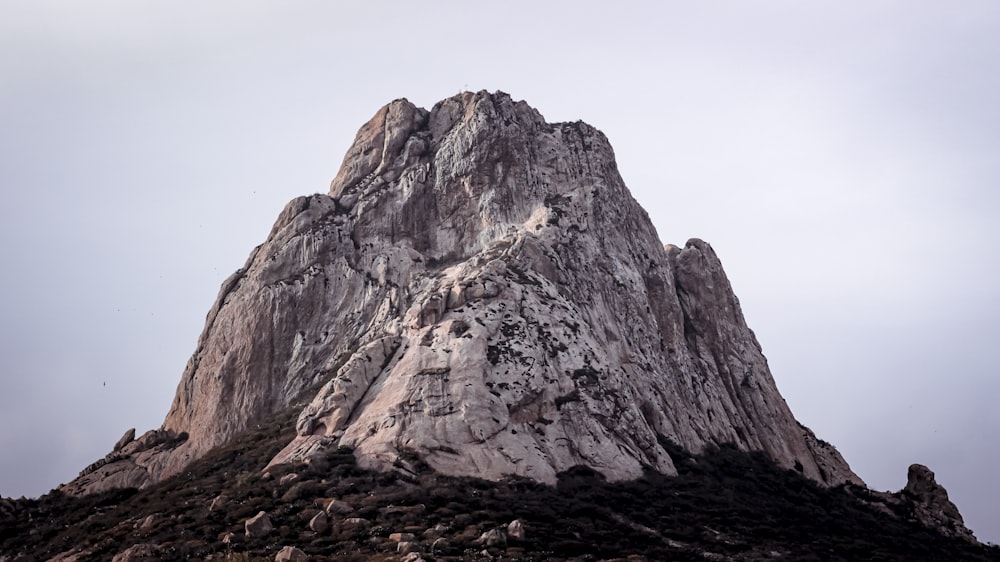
(724, 504)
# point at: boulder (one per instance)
(229, 537)
(125, 440)
(218, 502)
(319, 522)
(435, 532)
(258, 526)
(290, 554)
(148, 523)
(493, 538)
(515, 530)
(296, 492)
(338, 507)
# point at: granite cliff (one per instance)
(478, 287)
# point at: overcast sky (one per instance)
(842, 158)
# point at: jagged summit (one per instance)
(478, 288)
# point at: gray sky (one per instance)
(843, 159)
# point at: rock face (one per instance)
(478, 288)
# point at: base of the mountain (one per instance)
(723, 505)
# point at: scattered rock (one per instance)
(258, 526)
(401, 537)
(295, 493)
(405, 547)
(218, 502)
(290, 554)
(395, 509)
(338, 507)
(148, 522)
(439, 544)
(435, 532)
(67, 556)
(493, 538)
(230, 537)
(356, 521)
(288, 479)
(412, 557)
(319, 522)
(138, 552)
(515, 530)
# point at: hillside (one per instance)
(723, 504)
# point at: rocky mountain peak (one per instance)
(479, 289)
(472, 170)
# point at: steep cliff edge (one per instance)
(479, 288)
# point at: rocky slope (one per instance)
(723, 504)
(478, 288)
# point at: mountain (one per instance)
(478, 287)
(479, 296)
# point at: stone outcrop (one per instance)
(930, 503)
(478, 288)
(132, 463)
(923, 500)
(112, 472)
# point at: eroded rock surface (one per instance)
(480, 288)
